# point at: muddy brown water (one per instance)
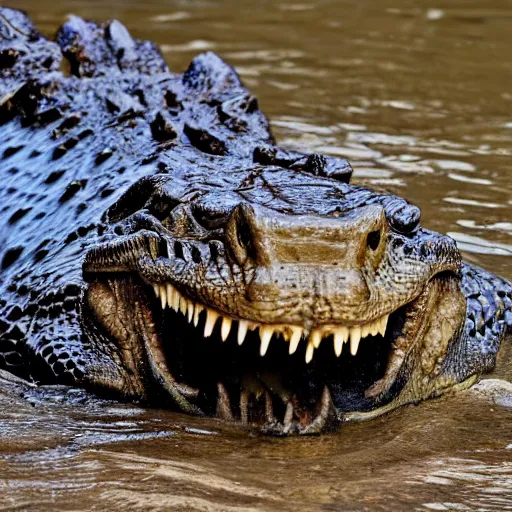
(417, 95)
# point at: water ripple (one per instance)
(479, 245)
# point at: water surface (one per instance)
(418, 98)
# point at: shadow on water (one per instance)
(418, 98)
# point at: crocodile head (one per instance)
(272, 297)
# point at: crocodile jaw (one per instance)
(247, 372)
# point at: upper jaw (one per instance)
(308, 296)
(170, 297)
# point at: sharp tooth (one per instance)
(340, 336)
(244, 406)
(365, 330)
(269, 409)
(295, 339)
(383, 323)
(223, 404)
(163, 296)
(242, 330)
(288, 415)
(183, 305)
(316, 338)
(375, 327)
(170, 293)
(190, 311)
(266, 332)
(197, 311)
(226, 328)
(157, 290)
(355, 338)
(174, 299)
(211, 318)
(309, 352)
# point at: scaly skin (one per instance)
(123, 176)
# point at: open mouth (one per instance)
(281, 378)
(285, 322)
(172, 298)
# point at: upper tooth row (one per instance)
(171, 297)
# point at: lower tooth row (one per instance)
(171, 297)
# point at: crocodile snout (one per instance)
(322, 261)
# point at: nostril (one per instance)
(244, 236)
(243, 247)
(373, 240)
(239, 238)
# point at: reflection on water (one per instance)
(479, 245)
(418, 98)
(60, 446)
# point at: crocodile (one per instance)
(157, 245)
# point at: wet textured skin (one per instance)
(118, 175)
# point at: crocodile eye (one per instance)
(161, 209)
(373, 240)
(209, 219)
